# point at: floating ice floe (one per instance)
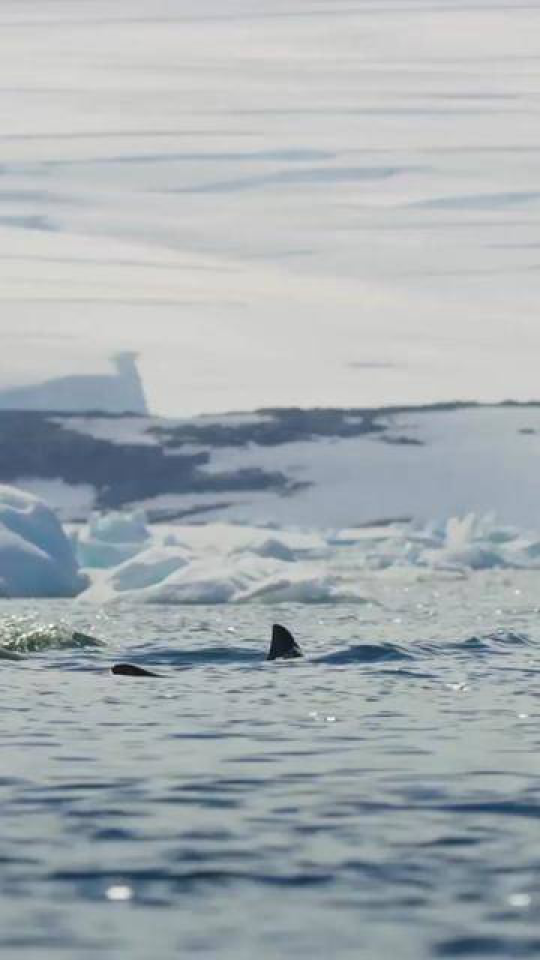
(162, 575)
(123, 557)
(36, 557)
(235, 563)
(110, 539)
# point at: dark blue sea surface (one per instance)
(379, 798)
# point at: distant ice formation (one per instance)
(36, 558)
(110, 539)
(219, 562)
(119, 556)
(119, 392)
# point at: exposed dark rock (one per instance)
(33, 444)
(45, 445)
(401, 440)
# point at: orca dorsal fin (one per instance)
(130, 670)
(283, 644)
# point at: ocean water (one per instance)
(378, 798)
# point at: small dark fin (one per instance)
(283, 644)
(129, 670)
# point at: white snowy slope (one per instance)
(427, 465)
(423, 465)
(272, 202)
(36, 558)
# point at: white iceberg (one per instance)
(219, 563)
(36, 557)
(112, 538)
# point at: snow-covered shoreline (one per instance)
(294, 468)
(277, 506)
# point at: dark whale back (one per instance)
(283, 646)
(130, 670)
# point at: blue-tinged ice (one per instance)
(36, 557)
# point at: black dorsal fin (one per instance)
(283, 644)
(130, 670)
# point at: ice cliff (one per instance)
(36, 557)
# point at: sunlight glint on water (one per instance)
(379, 796)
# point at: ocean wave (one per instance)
(366, 653)
(23, 636)
(19, 635)
(500, 643)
